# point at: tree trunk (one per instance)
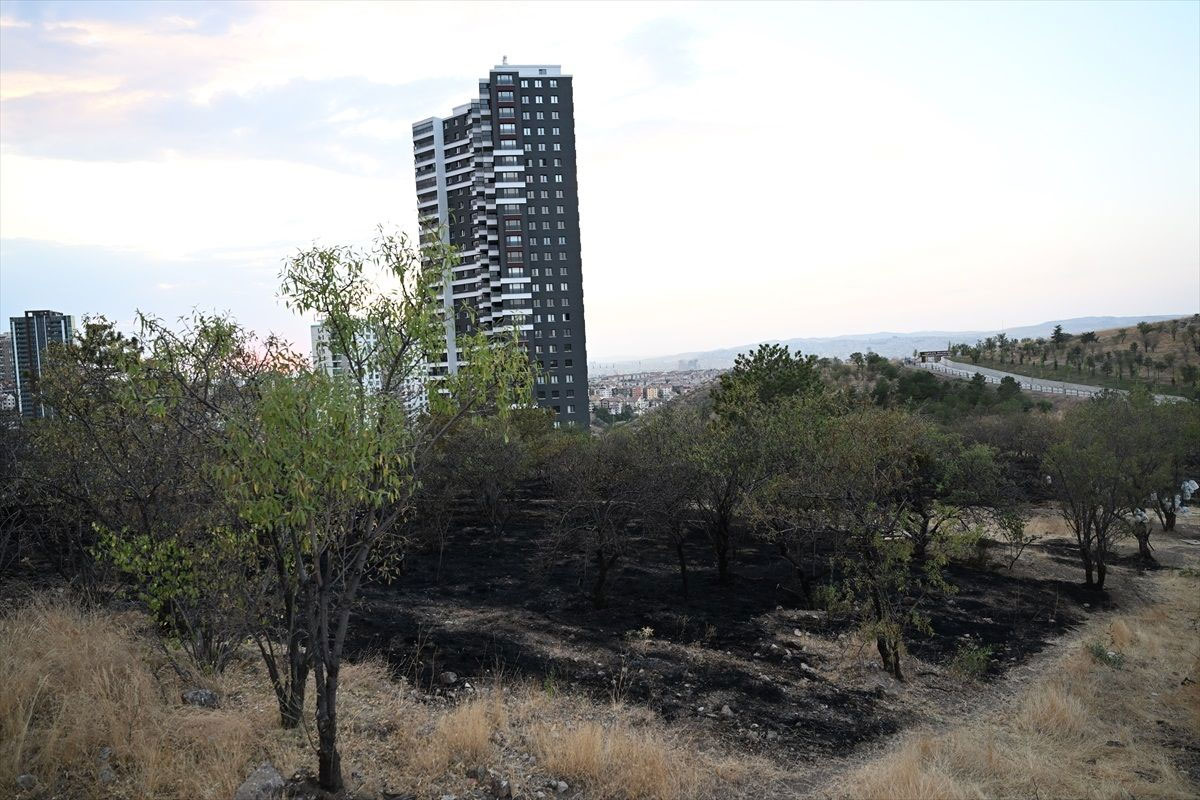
(805, 583)
(1101, 570)
(329, 760)
(1141, 532)
(683, 576)
(1169, 521)
(889, 653)
(1086, 557)
(602, 566)
(723, 577)
(291, 708)
(921, 545)
(1143, 541)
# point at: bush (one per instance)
(1100, 652)
(79, 699)
(971, 660)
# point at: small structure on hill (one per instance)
(933, 355)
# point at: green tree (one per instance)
(597, 486)
(137, 429)
(763, 376)
(668, 475)
(867, 469)
(324, 469)
(1093, 469)
(729, 461)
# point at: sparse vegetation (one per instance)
(354, 571)
(1164, 356)
(971, 660)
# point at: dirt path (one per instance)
(978, 744)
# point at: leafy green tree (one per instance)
(597, 487)
(324, 469)
(948, 484)
(137, 430)
(1168, 435)
(868, 464)
(763, 376)
(668, 475)
(492, 458)
(1008, 389)
(729, 461)
(786, 507)
(1094, 473)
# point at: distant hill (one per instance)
(884, 343)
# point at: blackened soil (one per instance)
(498, 604)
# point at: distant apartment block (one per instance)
(31, 335)
(8, 369)
(497, 177)
(327, 358)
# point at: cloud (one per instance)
(745, 169)
(345, 123)
(174, 207)
(665, 45)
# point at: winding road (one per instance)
(956, 369)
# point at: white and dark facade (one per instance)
(31, 335)
(498, 178)
(328, 359)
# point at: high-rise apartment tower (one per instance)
(31, 335)
(497, 177)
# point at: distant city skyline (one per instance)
(747, 172)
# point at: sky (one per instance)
(747, 171)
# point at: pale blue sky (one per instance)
(747, 171)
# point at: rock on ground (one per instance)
(205, 698)
(265, 783)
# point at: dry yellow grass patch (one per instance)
(1094, 727)
(77, 683)
(1052, 710)
(464, 734)
(73, 683)
(615, 761)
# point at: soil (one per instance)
(745, 664)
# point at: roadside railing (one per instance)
(1031, 384)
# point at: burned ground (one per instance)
(743, 663)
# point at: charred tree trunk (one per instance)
(603, 565)
(723, 576)
(1086, 557)
(1141, 532)
(329, 760)
(889, 650)
(683, 575)
(889, 653)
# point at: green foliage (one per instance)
(764, 376)
(971, 660)
(606, 417)
(1110, 658)
(131, 453)
(324, 470)
(1097, 467)
(1014, 536)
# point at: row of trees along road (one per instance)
(244, 496)
(1147, 352)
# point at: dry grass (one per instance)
(618, 762)
(1088, 729)
(77, 682)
